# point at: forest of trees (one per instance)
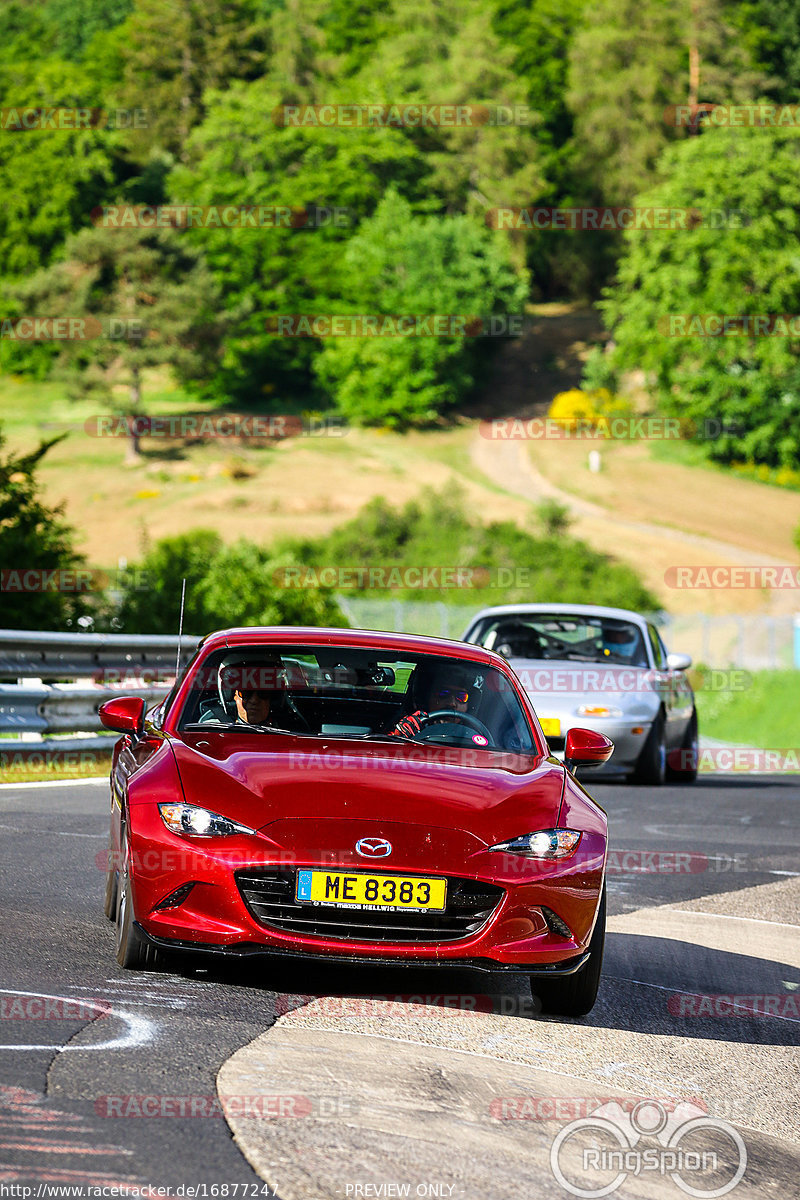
(186, 97)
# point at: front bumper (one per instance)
(627, 744)
(214, 917)
(248, 950)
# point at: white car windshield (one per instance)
(562, 636)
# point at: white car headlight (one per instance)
(546, 843)
(198, 822)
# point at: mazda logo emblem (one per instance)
(373, 847)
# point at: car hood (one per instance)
(259, 779)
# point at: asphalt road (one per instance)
(84, 1043)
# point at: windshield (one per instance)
(325, 691)
(576, 637)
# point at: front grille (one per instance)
(269, 896)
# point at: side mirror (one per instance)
(124, 715)
(679, 662)
(586, 747)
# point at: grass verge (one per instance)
(49, 767)
(764, 713)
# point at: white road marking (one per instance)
(699, 912)
(140, 1029)
(58, 782)
(700, 995)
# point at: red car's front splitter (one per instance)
(247, 950)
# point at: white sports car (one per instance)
(605, 669)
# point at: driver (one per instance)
(445, 690)
(619, 641)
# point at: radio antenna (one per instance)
(180, 631)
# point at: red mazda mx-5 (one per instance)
(358, 797)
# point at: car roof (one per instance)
(366, 639)
(580, 610)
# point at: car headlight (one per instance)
(199, 822)
(547, 843)
(598, 710)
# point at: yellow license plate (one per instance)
(351, 889)
(551, 726)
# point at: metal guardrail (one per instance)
(65, 655)
(104, 665)
(37, 708)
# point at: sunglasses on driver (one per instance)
(460, 695)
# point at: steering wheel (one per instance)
(464, 718)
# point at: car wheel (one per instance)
(651, 767)
(133, 952)
(110, 900)
(683, 767)
(574, 995)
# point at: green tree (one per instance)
(242, 584)
(745, 388)
(176, 52)
(241, 156)
(396, 265)
(631, 62)
(450, 53)
(76, 22)
(501, 563)
(147, 300)
(151, 593)
(51, 179)
(35, 537)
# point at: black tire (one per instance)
(574, 995)
(682, 763)
(651, 767)
(132, 951)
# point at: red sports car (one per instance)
(358, 797)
